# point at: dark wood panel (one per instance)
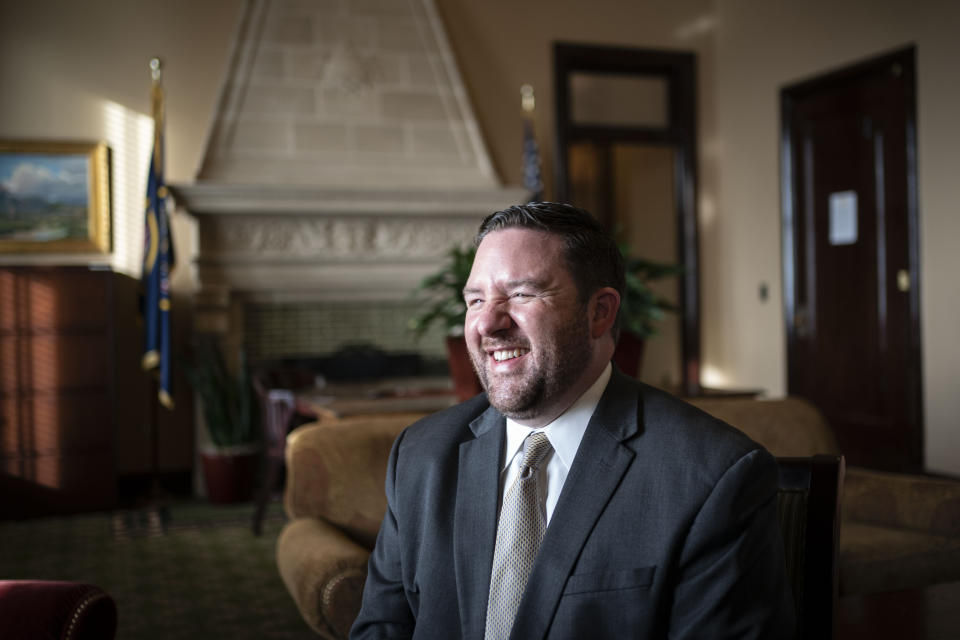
(10, 421)
(8, 301)
(41, 485)
(48, 423)
(9, 364)
(56, 362)
(62, 299)
(56, 390)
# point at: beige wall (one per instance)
(79, 71)
(62, 63)
(762, 46)
(503, 44)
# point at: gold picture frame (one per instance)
(54, 197)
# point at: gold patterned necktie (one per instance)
(519, 532)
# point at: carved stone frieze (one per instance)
(367, 239)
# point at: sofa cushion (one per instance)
(878, 558)
(903, 501)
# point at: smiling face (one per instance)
(528, 332)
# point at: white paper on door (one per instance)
(843, 217)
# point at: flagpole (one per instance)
(157, 508)
(532, 179)
(156, 497)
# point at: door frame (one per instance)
(790, 95)
(678, 69)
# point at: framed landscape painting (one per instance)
(54, 197)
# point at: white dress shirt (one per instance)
(564, 434)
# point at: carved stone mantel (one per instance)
(275, 244)
(343, 159)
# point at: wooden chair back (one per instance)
(809, 506)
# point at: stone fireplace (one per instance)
(342, 162)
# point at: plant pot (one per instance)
(466, 384)
(230, 472)
(628, 355)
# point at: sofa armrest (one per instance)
(903, 501)
(324, 571)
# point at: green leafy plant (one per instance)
(441, 294)
(642, 308)
(228, 403)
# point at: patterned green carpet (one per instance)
(205, 576)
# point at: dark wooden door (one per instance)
(850, 257)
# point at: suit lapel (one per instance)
(475, 524)
(595, 474)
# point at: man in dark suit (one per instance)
(570, 501)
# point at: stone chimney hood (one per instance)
(344, 158)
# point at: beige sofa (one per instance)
(898, 531)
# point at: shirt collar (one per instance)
(566, 431)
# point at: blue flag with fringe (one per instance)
(158, 260)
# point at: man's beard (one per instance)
(560, 360)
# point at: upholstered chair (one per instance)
(335, 501)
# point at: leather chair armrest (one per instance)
(903, 501)
(51, 609)
(325, 572)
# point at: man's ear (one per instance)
(603, 311)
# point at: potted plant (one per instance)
(441, 296)
(230, 457)
(641, 308)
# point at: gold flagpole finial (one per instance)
(156, 68)
(527, 101)
(156, 98)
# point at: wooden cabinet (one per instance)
(56, 390)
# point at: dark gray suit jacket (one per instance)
(666, 527)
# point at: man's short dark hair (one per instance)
(593, 258)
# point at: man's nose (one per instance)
(494, 317)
